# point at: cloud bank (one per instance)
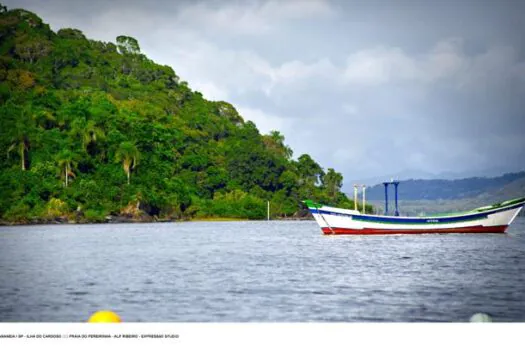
(368, 88)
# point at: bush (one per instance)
(55, 208)
(18, 213)
(95, 215)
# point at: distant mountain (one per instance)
(494, 188)
(401, 175)
(489, 172)
(513, 189)
(409, 174)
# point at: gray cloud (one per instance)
(368, 87)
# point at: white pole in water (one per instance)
(268, 210)
(355, 197)
(364, 200)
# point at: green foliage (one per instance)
(128, 154)
(78, 116)
(67, 162)
(234, 204)
(18, 212)
(55, 208)
(69, 33)
(333, 182)
(127, 44)
(94, 215)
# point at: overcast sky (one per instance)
(370, 88)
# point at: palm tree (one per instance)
(20, 142)
(128, 154)
(23, 128)
(44, 119)
(87, 131)
(333, 182)
(90, 134)
(278, 138)
(67, 160)
(275, 142)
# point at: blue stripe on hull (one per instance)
(398, 220)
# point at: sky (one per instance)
(371, 88)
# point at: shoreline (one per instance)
(141, 220)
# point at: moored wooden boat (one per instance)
(489, 219)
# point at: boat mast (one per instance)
(386, 197)
(364, 199)
(396, 183)
(355, 197)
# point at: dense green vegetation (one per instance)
(90, 129)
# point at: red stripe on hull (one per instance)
(375, 231)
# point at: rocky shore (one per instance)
(141, 218)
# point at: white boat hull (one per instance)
(495, 219)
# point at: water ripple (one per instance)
(256, 272)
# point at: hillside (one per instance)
(91, 131)
(498, 188)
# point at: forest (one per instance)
(91, 131)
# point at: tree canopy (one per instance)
(90, 129)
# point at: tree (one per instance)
(86, 100)
(71, 33)
(21, 79)
(20, 143)
(277, 137)
(127, 44)
(23, 126)
(87, 131)
(67, 160)
(333, 181)
(275, 143)
(310, 172)
(128, 154)
(33, 50)
(90, 134)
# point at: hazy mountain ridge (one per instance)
(504, 186)
(483, 191)
(410, 174)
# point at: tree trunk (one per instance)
(22, 156)
(128, 177)
(67, 174)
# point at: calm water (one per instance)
(257, 271)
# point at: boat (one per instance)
(494, 218)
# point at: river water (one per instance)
(257, 272)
